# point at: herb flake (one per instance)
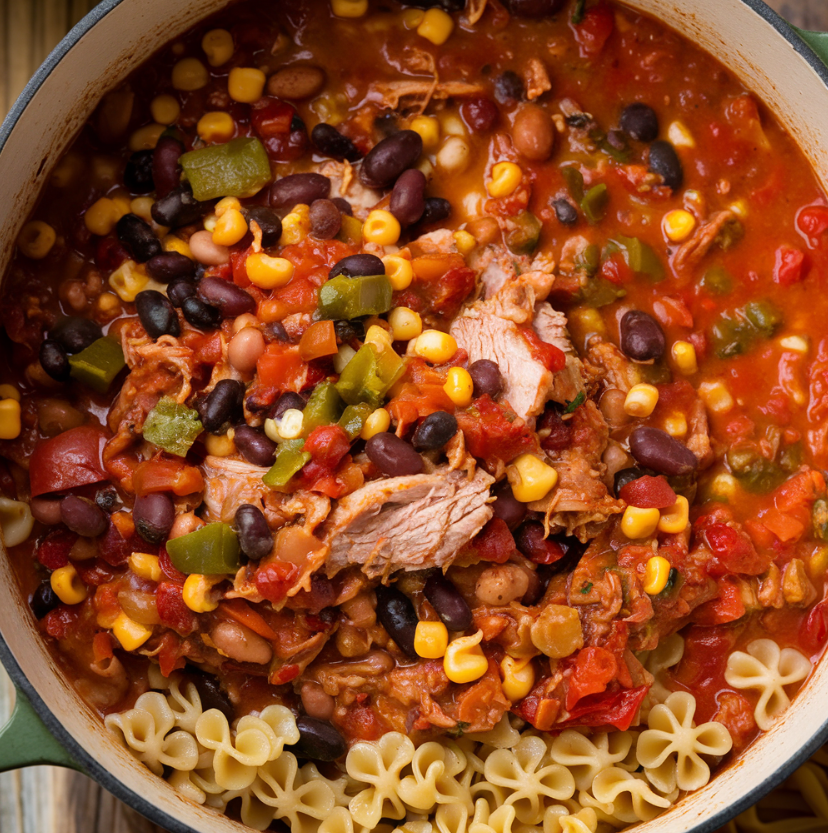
(575, 403)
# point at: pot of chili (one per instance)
(51, 724)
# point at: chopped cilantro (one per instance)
(458, 730)
(576, 402)
(578, 12)
(586, 588)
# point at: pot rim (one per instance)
(90, 765)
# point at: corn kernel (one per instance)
(518, 677)
(220, 445)
(128, 280)
(101, 216)
(716, 396)
(9, 392)
(342, 357)
(678, 225)
(107, 303)
(145, 565)
(506, 177)
(123, 202)
(452, 124)
(680, 136)
(465, 242)
(66, 171)
(436, 26)
(225, 204)
(428, 129)
(641, 400)
(67, 585)
(295, 226)
(142, 207)
(378, 422)
(405, 323)
(531, 478)
(268, 272)
(230, 228)
(165, 109)
(216, 127)
(464, 660)
(676, 425)
(288, 427)
(382, 228)
(412, 18)
(378, 336)
(198, 592)
(210, 222)
(246, 84)
(638, 522)
(16, 521)
(724, 487)
(739, 208)
(431, 640)
(459, 386)
(36, 239)
(171, 243)
(675, 519)
(189, 74)
(399, 271)
(131, 634)
(454, 156)
(684, 355)
(656, 575)
(218, 46)
(146, 137)
(349, 8)
(9, 419)
(818, 563)
(435, 346)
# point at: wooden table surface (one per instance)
(48, 799)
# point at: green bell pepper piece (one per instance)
(172, 427)
(324, 407)
(369, 375)
(574, 180)
(238, 168)
(732, 336)
(344, 298)
(731, 233)
(588, 260)
(289, 460)
(524, 237)
(599, 292)
(717, 280)
(212, 550)
(639, 256)
(353, 419)
(97, 365)
(764, 316)
(819, 515)
(350, 231)
(594, 203)
(756, 473)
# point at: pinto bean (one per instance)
(185, 524)
(240, 643)
(501, 584)
(611, 406)
(54, 416)
(316, 702)
(325, 219)
(46, 510)
(533, 133)
(245, 348)
(296, 83)
(207, 252)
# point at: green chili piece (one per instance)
(819, 515)
(172, 427)
(97, 365)
(324, 407)
(588, 259)
(578, 12)
(731, 336)
(731, 233)
(672, 582)
(238, 168)
(353, 419)
(212, 550)
(344, 298)
(756, 473)
(639, 256)
(350, 231)
(791, 457)
(764, 316)
(717, 280)
(289, 460)
(595, 202)
(523, 238)
(599, 292)
(574, 182)
(360, 379)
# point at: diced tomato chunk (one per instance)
(789, 266)
(733, 552)
(271, 117)
(163, 474)
(592, 672)
(607, 709)
(69, 460)
(494, 542)
(491, 432)
(53, 550)
(728, 607)
(281, 366)
(648, 493)
(95, 571)
(812, 222)
(61, 621)
(550, 356)
(275, 577)
(594, 30)
(172, 610)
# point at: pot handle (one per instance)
(818, 41)
(25, 740)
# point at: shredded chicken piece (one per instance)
(618, 370)
(692, 252)
(796, 586)
(416, 94)
(345, 184)
(550, 325)
(536, 79)
(474, 11)
(458, 458)
(698, 437)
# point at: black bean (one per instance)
(286, 402)
(200, 315)
(318, 740)
(170, 265)
(75, 334)
(534, 8)
(446, 5)
(343, 205)
(268, 221)
(107, 499)
(54, 361)
(642, 338)
(254, 445)
(486, 377)
(393, 456)
(435, 431)
(179, 207)
(325, 219)
(44, 600)
(640, 122)
(154, 515)
(566, 213)
(276, 329)
(223, 403)
(255, 538)
(166, 172)
(348, 331)
(138, 173)
(299, 189)
(508, 87)
(396, 614)
(389, 158)
(358, 265)
(665, 162)
(138, 238)
(506, 506)
(230, 300)
(330, 142)
(83, 516)
(660, 452)
(625, 476)
(436, 210)
(211, 693)
(180, 288)
(446, 600)
(157, 314)
(408, 197)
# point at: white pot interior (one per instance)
(127, 35)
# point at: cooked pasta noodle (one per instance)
(587, 755)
